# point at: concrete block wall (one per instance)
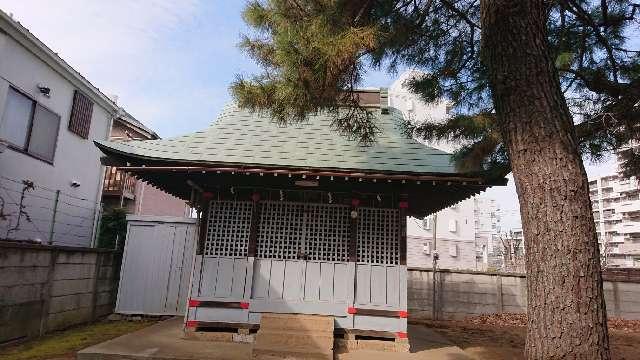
(45, 288)
(460, 294)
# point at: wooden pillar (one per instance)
(353, 233)
(255, 223)
(402, 226)
(204, 222)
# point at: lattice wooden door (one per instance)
(302, 259)
(290, 230)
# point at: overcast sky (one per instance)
(169, 62)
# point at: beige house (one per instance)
(123, 190)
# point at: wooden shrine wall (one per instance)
(301, 263)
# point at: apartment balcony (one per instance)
(609, 218)
(628, 228)
(629, 206)
(606, 184)
(617, 239)
(118, 183)
(626, 186)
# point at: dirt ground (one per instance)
(496, 341)
(64, 344)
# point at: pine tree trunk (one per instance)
(566, 310)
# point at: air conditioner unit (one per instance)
(426, 223)
(426, 248)
(453, 250)
(453, 225)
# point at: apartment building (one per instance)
(464, 232)
(615, 203)
(488, 227)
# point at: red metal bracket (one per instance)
(194, 303)
(351, 310)
(191, 324)
(403, 314)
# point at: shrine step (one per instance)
(297, 322)
(296, 336)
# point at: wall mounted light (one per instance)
(44, 90)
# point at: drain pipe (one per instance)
(434, 305)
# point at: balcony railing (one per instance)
(119, 183)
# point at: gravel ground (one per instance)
(502, 337)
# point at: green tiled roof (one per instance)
(239, 137)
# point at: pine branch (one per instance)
(462, 15)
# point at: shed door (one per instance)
(156, 266)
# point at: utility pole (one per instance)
(435, 256)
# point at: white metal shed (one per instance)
(156, 265)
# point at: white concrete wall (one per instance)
(415, 109)
(76, 159)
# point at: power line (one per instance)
(51, 190)
(79, 206)
(27, 194)
(74, 216)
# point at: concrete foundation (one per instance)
(164, 341)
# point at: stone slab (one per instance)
(163, 341)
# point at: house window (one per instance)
(29, 127)
(80, 121)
